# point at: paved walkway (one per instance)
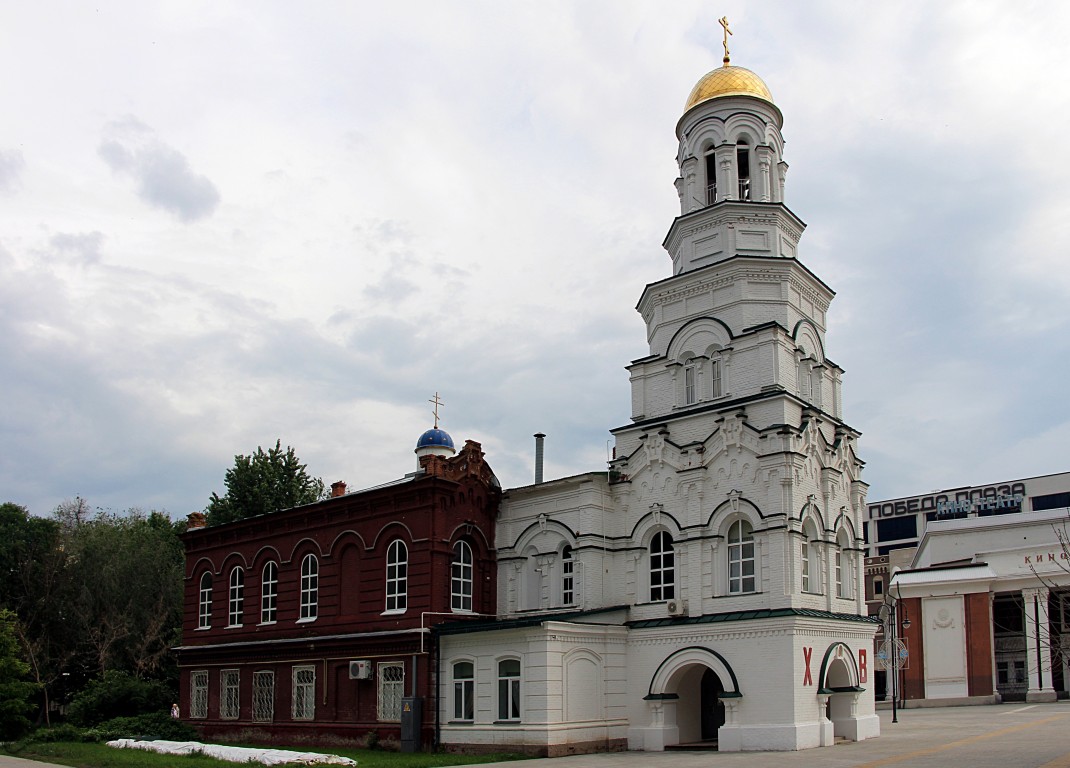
(999, 736)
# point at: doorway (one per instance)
(712, 707)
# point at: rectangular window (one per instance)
(509, 689)
(905, 527)
(391, 689)
(263, 697)
(228, 694)
(237, 598)
(806, 566)
(839, 574)
(464, 691)
(568, 594)
(304, 693)
(1050, 501)
(198, 694)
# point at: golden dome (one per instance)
(728, 81)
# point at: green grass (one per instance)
(84, 755)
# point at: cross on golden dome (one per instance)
(723, 21)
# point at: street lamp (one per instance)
(887, 615)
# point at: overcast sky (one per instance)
(222, 224)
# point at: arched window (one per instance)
(804, 379)
(310, 588)
(743, 167)
(740, 558)
(568, 592)
(269, 593)
(843, 569)
(662, 567)
(397, 576)
(237, 597)
(691, 382)
(204, 606)
(811, 559)
(711, 176)
(716, 388)
(509, 689)
(461, 577)
(464, 680)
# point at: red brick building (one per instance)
(314, 622)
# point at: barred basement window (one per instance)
(464, 678)
(263, 697)
(269, 593)
(310, 587)
(198, 694)
(204, 610)
(304, 693)
(229, 705)
(391, 689)
(237, 597)
(461, 577)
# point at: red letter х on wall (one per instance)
(808, 653)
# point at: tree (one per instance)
(263, 483)
(15, 690)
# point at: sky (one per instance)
(223, 224)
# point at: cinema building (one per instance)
(982, 576)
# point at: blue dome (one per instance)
(434, 437)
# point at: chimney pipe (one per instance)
(539, 438)
(338, 489)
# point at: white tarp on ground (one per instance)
(234, 754)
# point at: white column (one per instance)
(1037, 645)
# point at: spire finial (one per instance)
(723, 21)
(437, 403)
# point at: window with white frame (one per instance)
(397, 576)
(269, 593)
(461, 577)
(804, 378)
(310, 588)
(198, 694)
(805, 566)
(237, 597)
(304, 693)
(690, 383)
(464, 681)
(204, 608)
(509, 689)
(229, 704)
(740, 558)
(391, 690)
(568, 592)
(715, 378)
(662, 567)
(263, 696)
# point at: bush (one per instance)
(119, 695)
(63, 732)
(156, 725)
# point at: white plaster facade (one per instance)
(709, 586)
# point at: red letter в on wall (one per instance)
(862, 669)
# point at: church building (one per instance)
(708, 588)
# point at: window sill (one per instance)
(460, 722)
(265, 623)
(462, 611)
(307, 620)
(202, 629)
(393, 612)
(507, 722)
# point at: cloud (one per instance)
(163, 174)
(83, 247)
(11, 165)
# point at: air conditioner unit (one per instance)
(676, 607)
(361, 669)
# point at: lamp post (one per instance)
(887, 615)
